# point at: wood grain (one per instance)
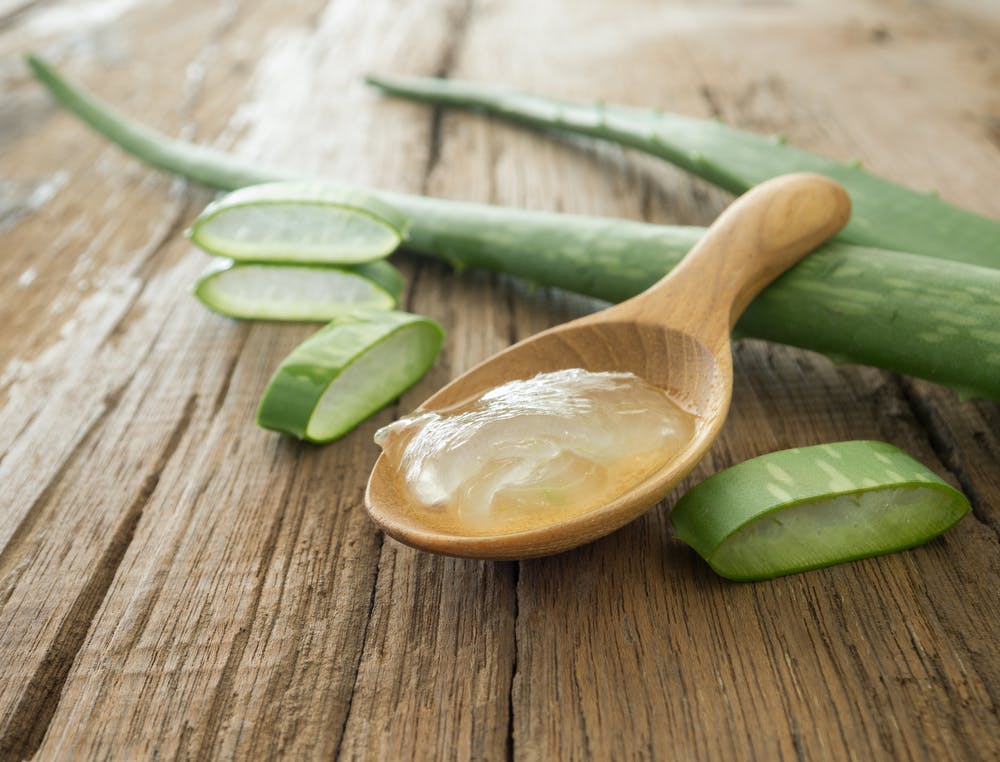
(175, 583)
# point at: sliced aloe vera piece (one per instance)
(347, 371)
(304, 222)
(261, 291)
(810, 507)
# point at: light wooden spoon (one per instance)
(675, 335)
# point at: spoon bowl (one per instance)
(674, 335)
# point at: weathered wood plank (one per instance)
(72, 371)
(175, 582)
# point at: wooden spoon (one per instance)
(675, 335)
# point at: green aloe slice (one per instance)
(304, 222)
(262, 291)
(349, 370)
(811, 507)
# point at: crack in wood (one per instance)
(457, 27)
(12, 550)
(30, 720)
(220, 706)
(130, 314)
(146, 265)
(948, 451)
(513, 335)
(281, 681)
(773, 647)
(17, 435)
(708, 95)
(511, 714)
(223, 392)
(992, 124)
(419, 267)
(361, 651)
(18, 10)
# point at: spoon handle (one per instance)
(759, 236)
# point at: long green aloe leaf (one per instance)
(913, 314)
(885, 215)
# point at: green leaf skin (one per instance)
(884, 215)
(801, 509)
(919, 315)
(347, 371)
(384, 275)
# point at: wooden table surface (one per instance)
(177, 583)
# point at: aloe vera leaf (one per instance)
(906, 313)
(810, 507)
(922, 316)
(885, 215)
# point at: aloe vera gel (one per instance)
(536, 451)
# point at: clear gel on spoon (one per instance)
(531, 452)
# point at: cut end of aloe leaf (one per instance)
(347, 371)
(302, 222)
(384, 275)
(811, 507)
(260, 291)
